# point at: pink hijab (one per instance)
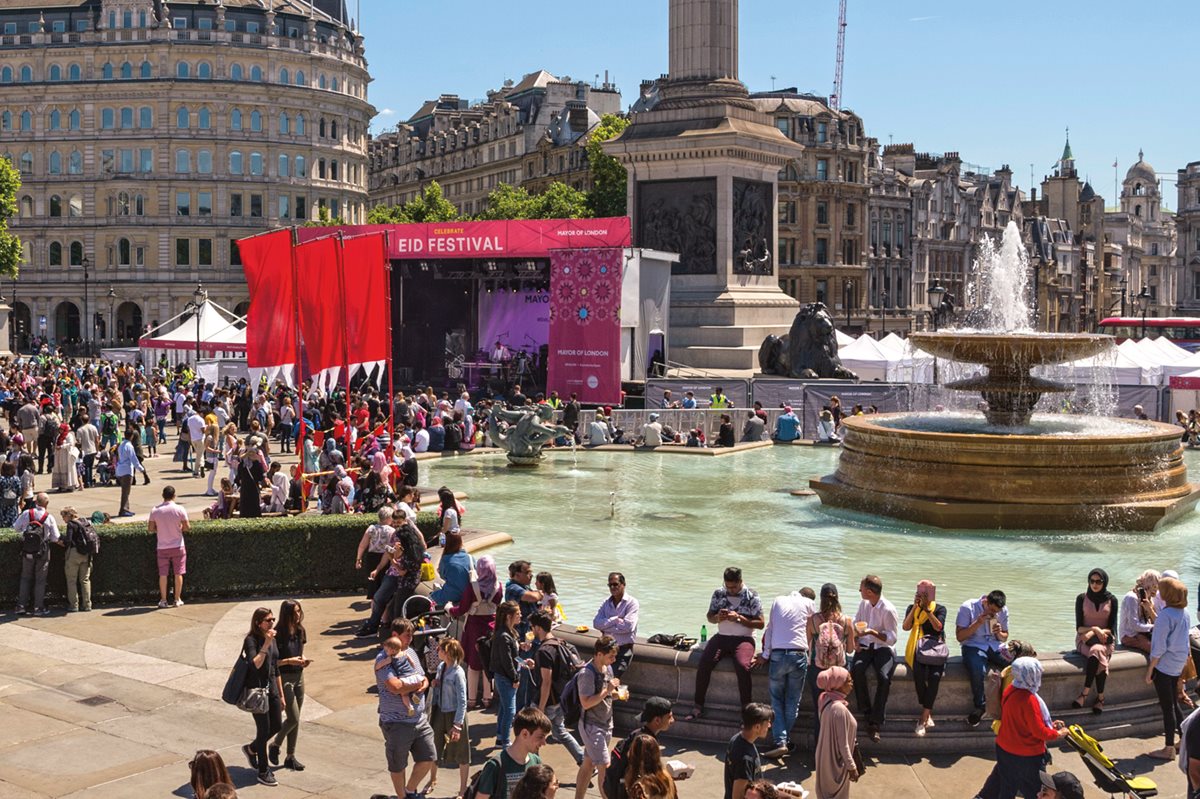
(829, 681)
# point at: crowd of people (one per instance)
(90, 423)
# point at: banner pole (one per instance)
(387, 275)
(341, 272)
(299, 372)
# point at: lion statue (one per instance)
(808, 351)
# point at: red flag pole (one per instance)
(341, 272)
(387, 277)
(299, 372)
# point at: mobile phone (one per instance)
(1141, 593)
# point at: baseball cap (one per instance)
(655, 707)
(653, 416)
(1066, 783)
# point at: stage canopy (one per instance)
(218, 334)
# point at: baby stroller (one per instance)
(431, 627)
(1104, 771)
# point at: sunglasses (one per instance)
(614, 585)
(268, 621)
(1095, 581)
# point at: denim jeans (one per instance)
(558, 725)
(387, 588)
(976, 662)
(788, 668)
(506, 708)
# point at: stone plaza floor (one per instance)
(113, 703)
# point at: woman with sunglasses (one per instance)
(1095, 635)
(262, 660)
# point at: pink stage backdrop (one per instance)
(585, 324)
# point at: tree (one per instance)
(609, 178)
(10, 245)
(431, 206)
(559, 201)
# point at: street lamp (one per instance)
(200, 296)
(112, 298)
(1144, 296)
(883, 296)
(846, 301)
(1124, 289)
(86, 315)
(936, 292)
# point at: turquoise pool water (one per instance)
(680, 520)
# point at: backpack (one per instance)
(83, 537)
(108, 424)
(472, 791)
(33, 540)
(49, 428)
(569, 700)
(830, 647)
(483, 645)
(567, 664)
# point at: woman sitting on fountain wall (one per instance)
(1095, 634)
(1138, 612)
(1169, 650)
(926, 652)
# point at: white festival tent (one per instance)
(217, 331)
(843, 340)
(894, 343)
(1115, 366)
(1172, 351)
(1182, 367)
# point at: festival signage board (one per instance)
(585, 324)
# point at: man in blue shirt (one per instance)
(787, 426)
(520, 577)
(127, 465)
(404, 732)
(689, 401)
(982, 629)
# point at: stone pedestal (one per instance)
(703, 182)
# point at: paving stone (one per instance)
(95, 758)
(18, 725)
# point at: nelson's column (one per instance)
(703, 178)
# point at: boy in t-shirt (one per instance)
(742, 764)
(596, 685)
(394, 648)
(501, 772)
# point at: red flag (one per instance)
(320, 293)
(271, 321)
(364, 261)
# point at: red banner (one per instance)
(527, 238)
(320, 290)
(585, 324)
(365, 264)
(271, 321)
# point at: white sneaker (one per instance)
(930, 723)
(920, 730)
(162, 603)
(178, 603)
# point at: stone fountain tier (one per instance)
(1009, 390)
(1124, 481)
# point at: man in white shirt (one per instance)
(785, 648)
(420, 440)
(875, 625)
(35, 565)
(652, 432)
(88, 439)
(195, 426)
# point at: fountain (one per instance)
(522, 432)
(1007, 470)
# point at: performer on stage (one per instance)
(500, 352)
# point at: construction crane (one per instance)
(835, 99)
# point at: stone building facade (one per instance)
(1146, 231)
(1187, 226)
(822, 204)
(529, 134)
(150, 137)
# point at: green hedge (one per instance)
(231, 557)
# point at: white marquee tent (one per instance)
(215, 328)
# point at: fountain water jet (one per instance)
(942, 470)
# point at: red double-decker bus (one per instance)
(1181, 330)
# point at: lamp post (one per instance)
(199, 297)
(1144, 297)
(883, 297)
(87, 344)
(1124, 283)
(112, 298)
(936, 292)
(846, 301)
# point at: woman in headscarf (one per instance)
(342, 491)
(250, 479)
(1025, 728)
(478, 603)
(66, 459)
(835, 765)
(925, 621)
(1095, 635)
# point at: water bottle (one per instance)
(703, 633)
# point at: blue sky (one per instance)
(998, 82)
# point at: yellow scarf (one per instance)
(920, 616)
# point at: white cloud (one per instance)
(387, 112)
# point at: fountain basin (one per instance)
(1022, 350)
(1133, 478)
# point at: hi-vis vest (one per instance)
(719, 401)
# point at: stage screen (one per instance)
(518, 319)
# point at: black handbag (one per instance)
(932, 651)
(232, 693)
